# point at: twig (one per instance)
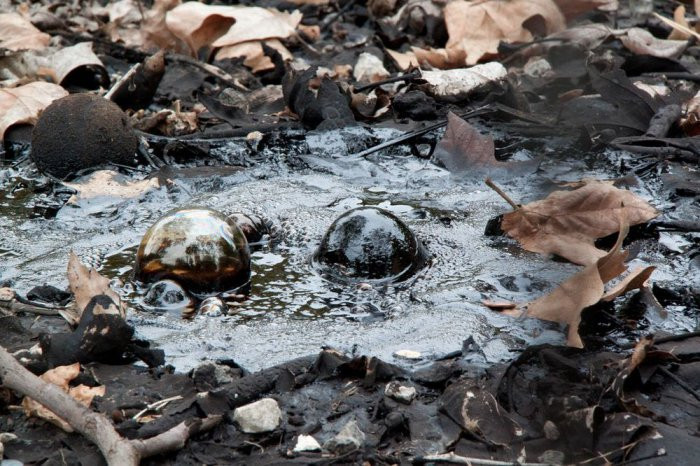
(677, 26)
(666, 339)
(419, 132)
(489, 182)
(156, 406)
(15, 306)
(456, 459)
(116, 450)
(683, 384)
(212, 70)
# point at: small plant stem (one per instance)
(492, 185)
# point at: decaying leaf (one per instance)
(642, 42)
(17, 33)
(464, 150)
(109, 183)
(573, 8)
(458, 84)
(87, 284)
(69, 59)
(198, 24)
(254, 55)
(567, 223)
(22, 105)
(478, 27)
(61, 377)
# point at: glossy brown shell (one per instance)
(199, 248)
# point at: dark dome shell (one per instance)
(82, 131)
(199, 248)
(370, 243)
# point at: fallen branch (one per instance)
(94, 426)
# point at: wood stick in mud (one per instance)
(116, 450)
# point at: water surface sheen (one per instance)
(292, 309)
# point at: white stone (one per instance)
(261, 416)
(350, 438)
(408, 354)
(400, 392)
(306, 443)
(459, 83)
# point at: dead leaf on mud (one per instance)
(61, 377)
(567, 223)
(22, 105)
(87, 284)
(465, 151)
(566, 302)
(478, 27)
(17, 33)
(198, 24)
(109, 183)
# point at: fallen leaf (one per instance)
(458, 84)
(478, 27)
(402, 60)
(642, 42)
(369, 68)
(254, 55)
(440, 58)
(198, 24)
(87, 284)
(567, 223)
(464, 150)
(636, 280)
(679, 17)
(22, 105)
(566, 302)
(109, 183)
(17, 33)
(61, 377)
(70, 59)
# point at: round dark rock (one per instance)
(199, 248)
(81, 131)
(253, 227)
(370, 243)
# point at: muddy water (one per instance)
(292, 310)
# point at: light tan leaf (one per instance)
(440, 58)
(109, 183)
(22, 105)
(17, 33)
(61, 376)
(566, 302)
(68, 59)
(255, 57)
(458, 84)
(478, 27)
(198, 24)
(85, 284)
(636, 280)
(679, 17)
(403, 60)
(642, 42)
(567, 223)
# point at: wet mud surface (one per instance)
(301, 184)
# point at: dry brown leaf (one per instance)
(17, 33)
(642, 42)
(61, 377)
(567, 223)
(22, 105)
(464, 150)
(636, 280)
(440, 58)
(402, 60)
(566, 302)
(85, 284)
(478, 27)
(679, 17)
(255, 57)
(154, 32)
(198, 24)
(69, 59)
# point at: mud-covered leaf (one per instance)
(567, 223)
(464, 150)
(61, 376)
(109, 183)
(17, 33)
(456, 85)
(87, 284)
(478, 27)
(23, 104)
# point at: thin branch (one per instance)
(489, 182)
(456, 459)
